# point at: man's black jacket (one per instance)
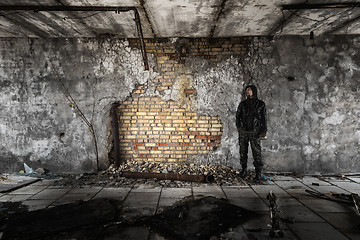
(251, 116)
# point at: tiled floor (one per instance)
(302, 215)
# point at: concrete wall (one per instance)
(311, 88)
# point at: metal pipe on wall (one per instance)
(115, 128)
(320, 5)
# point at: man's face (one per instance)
(249, 93)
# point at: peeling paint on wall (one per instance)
(311, 89)
(40, 127)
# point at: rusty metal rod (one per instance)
(170, 176)
(65, 8)
(142, 43)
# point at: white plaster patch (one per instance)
(2, 128)
(348, 66)
(299, 98)
(334, 119)
(41, 148)
(357, 134)
(331, 146)
(308, 150)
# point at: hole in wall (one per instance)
(291, 78)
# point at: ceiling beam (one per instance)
(320, 5)
(342, 25)
(79, 19)
(282, 23)
(21, 22)
(86, 9)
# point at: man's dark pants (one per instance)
(254, 139)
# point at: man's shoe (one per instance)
(243, 173)
(257, 178)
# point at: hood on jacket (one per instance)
(254, 90)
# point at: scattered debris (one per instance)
(265, 178)
(38, 173)
(113, 177)
(28, 170)
(42, 171)
(275, 220)
(3, 178)
(222, 174)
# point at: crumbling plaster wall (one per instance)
(311, 88)
(38, 124)
(314, 107)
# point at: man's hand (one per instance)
(263, 136)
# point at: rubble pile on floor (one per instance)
(223, 175)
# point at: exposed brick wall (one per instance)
(154, 130)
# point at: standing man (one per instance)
(251, 125)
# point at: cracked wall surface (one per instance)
(311, 88)
(38, 124)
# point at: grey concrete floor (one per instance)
(303, 216)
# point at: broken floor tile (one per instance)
(289, 185)
(85, 190)
(264, 190)
(299, 214)
(29, 190)
(261, 222)
(209, 190)
(239, 192)
(309, 180)
(175, 192)
(33, 205)
(322, 205)
(347, 185)
(282, 178)
(329, 189)
(114, 193)
(318, 231)
(347, 223)
(71, 198)
(253, 204)
(50, 194)
(15, 198)
(354, 178)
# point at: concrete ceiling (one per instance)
(180, 18)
